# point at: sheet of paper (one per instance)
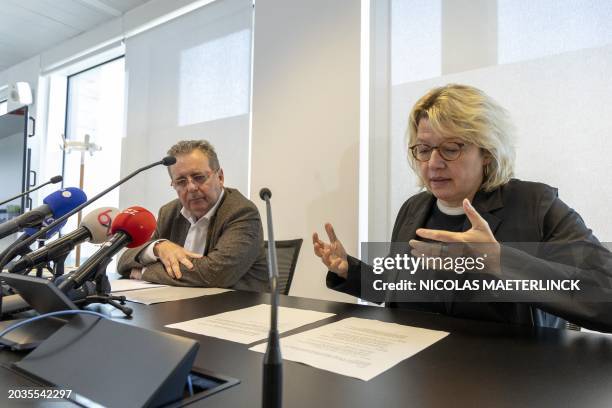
(167, 294)
(355, 347)
(124, 285)
(249, 325)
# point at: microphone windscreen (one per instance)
(265, 193)
(48, 234)
(56, 179)
(62, 201)
(99, 222)
(168, 160)
(137, 222)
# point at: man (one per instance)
(210, 236)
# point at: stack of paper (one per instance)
(249, 325)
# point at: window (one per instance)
(547, 62)
(94, 114)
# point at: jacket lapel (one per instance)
(422, 210)
(178, 231)
(213, 223)
(485, 203)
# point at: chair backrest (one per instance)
(287, 253)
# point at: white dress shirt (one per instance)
(196, 236)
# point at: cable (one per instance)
(44, 316)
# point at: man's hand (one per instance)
(333, 255)
(172, 255)
(136, 273)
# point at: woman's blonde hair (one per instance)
(469, 114)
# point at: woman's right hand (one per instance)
(333, 255)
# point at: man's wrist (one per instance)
(136, 273)
(155, 252)
(147, 255)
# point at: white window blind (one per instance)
(551, 73)
(188, 79)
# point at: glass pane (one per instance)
(547, 62)
(95, 109)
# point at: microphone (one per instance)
(265, 194)
(95, 228)
(27, 233)
(49, 233)
(272, 390)
(55, 205)
(53, 180)
(166, 161)
(131, 227)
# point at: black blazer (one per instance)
(518, 211)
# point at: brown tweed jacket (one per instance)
(234, 256)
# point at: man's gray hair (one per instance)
(188, 146)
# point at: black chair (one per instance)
(287, 253)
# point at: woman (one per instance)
(460, 146)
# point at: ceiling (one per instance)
(29, 27)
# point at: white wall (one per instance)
(468, 35)
(305, 125)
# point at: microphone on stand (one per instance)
(272, 390)
(95, 228)
(132, 227)
(53, 180)
(166, 161)
(55, 206)
(17, 250)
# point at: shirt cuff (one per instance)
(147, 256)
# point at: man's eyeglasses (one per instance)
(197, 180)
(448, 150)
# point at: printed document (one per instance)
(360, 348)
(123, 285)
(249, 325)
(167, 294)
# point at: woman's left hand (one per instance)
(480, 233)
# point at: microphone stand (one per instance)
(8, 255)
(166, 161)
(102, 295)
(58, 265)
(39, 269)
(272, 392)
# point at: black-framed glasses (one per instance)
(197, 179)
(448, 150)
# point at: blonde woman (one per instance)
(460, 145)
